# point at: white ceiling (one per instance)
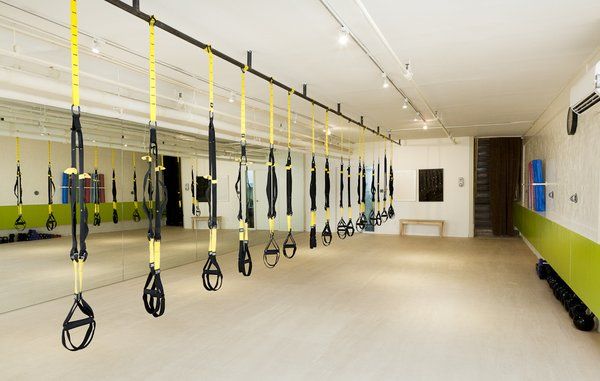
(489, 68)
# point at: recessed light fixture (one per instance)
(386, 83)
(231, 97)
(405, 105)
(425, 126)
(96, 46)
(344, 36)
(180, 101)
(417, 117)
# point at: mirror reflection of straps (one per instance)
(349, 225)
(115, 213)
(212, 277)
(20, 223)
(391, 211)
(96, 190)
(153, 295)
(341, 226)
(51, 222)
(361, 222)
(136, 212)
(384, 214)
(244, 258)
(326, 235)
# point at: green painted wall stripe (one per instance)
(36, 215)
(574, 257)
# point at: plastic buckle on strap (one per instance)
(68, 325)
(271, 250)
(326, 235)
(289, 243)
(244, 259)
(154, 294)
(212, 277)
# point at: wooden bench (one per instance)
(196, 219)
(438, 223)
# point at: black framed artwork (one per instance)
(431, 185)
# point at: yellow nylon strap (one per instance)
(156, 255)
(342, 145)
(75, 278)
(243, 105)
(96, 158)
(313, 218)
(289, 118)
(271, 137)
(49, 152)
(350, 212)
(49, 208)
(211, 79)
(152, 74)
(271, 225)
(17, 150)
(327, 214)
(112, 158)
(245, 231)
(212, 244)
(151, 250)
(289, 222)
(133, 159)
(312, 125)
(74, 54)
(241, 230)
(20, 209)
(326, 132)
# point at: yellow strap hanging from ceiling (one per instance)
(289, 118)
(74, 55)
(152, 76)
(211, 80)
(327, 133)
(271, 132)
(312, 125)
(243, 105)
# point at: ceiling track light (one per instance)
(405, 105)
(231, 97)
(386, 83)
(96, 46)
(417, 117)
(344, 36)
(425, 126)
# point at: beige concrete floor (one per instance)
(367, 308)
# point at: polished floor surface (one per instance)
(366, 308)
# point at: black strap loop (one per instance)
(244, 259)
(154, 294)
(115, 214)
(271, 252)
(212, 277)
(326, 235)
(313, 202)
(96, 197)
(391, 212)
(289, 244)
(341, 226)
(82, 306)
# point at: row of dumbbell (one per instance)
(583, 319)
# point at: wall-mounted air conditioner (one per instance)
(584, 95)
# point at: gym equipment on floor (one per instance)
(244, 258)
(212, 277)
(96, 190)
(77, 175)
(115, 214)
(289, 243)
(271, 252)
(51, 220)
(136, 212)
(326, 235)
(153, 294)
(313, 186)
(20, 223)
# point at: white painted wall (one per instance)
(570, 163)
(456, 209)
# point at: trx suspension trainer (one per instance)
(313, 186)
(212, 277)
(115, 214)
(272, 248)
(20, 223)
(341, 226)
(290, 242)
(136, 213)
(244, 259)
(361, 222)
(326, 235)
(77, 177)
(154, 293)
(391, 212)
(96, 190)
(349, 225)
(193, 190)
(384, 214)
(51, 220)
